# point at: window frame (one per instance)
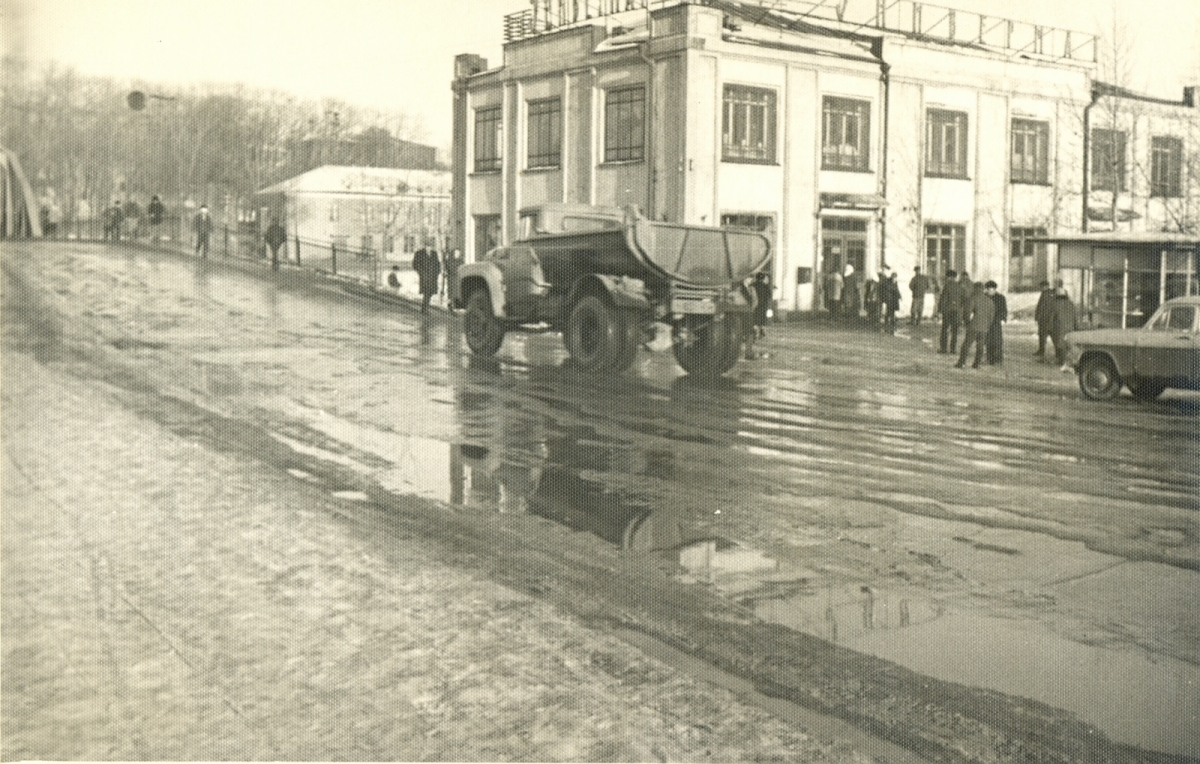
(1020, 249)
(625, 124)
(1166, 166)
(953, 234)
(487, 136)
(1108, 179)
(743, 107)
(1035, 167)
(938, 123)
(544, 131)
(838, 114)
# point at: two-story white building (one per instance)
(908, 135)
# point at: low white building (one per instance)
(851, 133)
(384, 211)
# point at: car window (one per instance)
(1181, 317)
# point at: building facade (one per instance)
(925, 138)
(386, 212)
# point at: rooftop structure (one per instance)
(904, 17)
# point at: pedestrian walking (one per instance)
(203, 226)
(275, 236)
(871, 302)
(949, 308)
(977, 320)
(918, 285)
(762, 312)
(113, 217)
(426, 264)
(132, 214)
(155, 212)
(1064, 318)
(995, 335)
(833, 293)
(851, 295)
(889, 295)
(1043, 314)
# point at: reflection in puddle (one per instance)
(512, 461)
(1100, 685)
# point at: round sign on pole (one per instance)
(136, 100)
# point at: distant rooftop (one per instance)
(907, 17)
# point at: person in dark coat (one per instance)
(889, 295)
(871, 302)
(978, 319)
(1043, 315)
(949, 307)
(155, 212)
(919, 286)
(995, 336)
(275, 237)
(763, 294)
(202, 225)
(429, 268)
(113, 220)
(1064, 318)
(851, 295)
(833, 293)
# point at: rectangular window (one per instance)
(1166, 166)
(845, 134)
(945, 144)
(1030, 151)
(545, 134)
(1108, 160)
(624, 124)
(945, 249)
(487, 139)
(748, 125)
(1027, 259)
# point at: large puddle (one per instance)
(587, 482)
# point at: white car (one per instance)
(1163, 353)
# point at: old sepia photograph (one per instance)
(600, 381)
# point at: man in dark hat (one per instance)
(995, 335)
(949, 307)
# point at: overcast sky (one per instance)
(398, 54)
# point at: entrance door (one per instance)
(843, 240)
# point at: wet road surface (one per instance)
(984, 528)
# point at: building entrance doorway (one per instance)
(843, 241)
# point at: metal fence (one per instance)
(364, 265)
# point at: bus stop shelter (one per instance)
(1119, 278)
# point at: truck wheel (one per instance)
(630, 335)
(1146, 389)
(594, 333)
(705, 347)
(1098, 378)
(484, 332)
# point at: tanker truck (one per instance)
(604, 277)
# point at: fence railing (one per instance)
(365, 265)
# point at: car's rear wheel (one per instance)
(1146, 389)
(1098, 378)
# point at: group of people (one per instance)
(429, 268)
(981, 312)
(1055, 315)
(125, 218)
(846, 300)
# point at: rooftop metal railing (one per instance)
(909, 17)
